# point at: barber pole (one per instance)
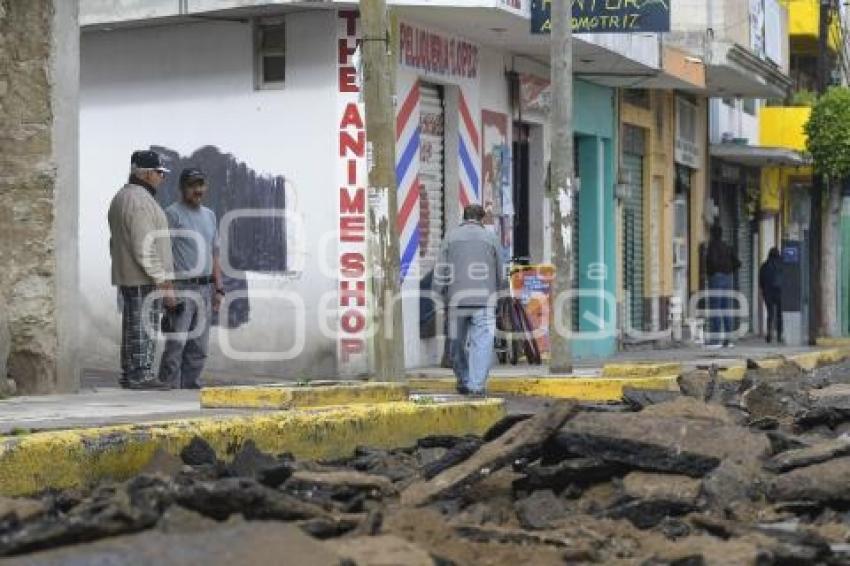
(407, 177)
(352, 351)
(468, 152)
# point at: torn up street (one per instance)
(720, 472)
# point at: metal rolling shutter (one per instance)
(575, 239)
(744, 246)
(431, 170)
(632, 167)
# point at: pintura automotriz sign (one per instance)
(606, 16)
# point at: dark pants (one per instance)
(187, 341)
(720, 324)
(773, 304)
(138, 334)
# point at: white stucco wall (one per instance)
(733, 120)
(190, 85)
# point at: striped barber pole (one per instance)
(468, 152)
(407, 178)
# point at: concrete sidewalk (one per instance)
(103, 405)
(100, 407)
(689, 356)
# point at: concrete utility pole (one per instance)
(39, 196)
(815, 226)
(561, 185)
(378, 82)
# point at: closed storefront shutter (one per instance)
(632, 169)
(744, 246)
(431, 173)
(575, 238)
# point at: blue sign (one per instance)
(606, 16)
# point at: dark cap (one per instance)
(147, 159)
(191, 175)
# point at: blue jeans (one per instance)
(472, 331)
(720, 325)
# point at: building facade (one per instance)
(265, 96)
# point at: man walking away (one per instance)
(141, 263)
(770, 283)
(197, 272)
(469, 275)
(721, 265)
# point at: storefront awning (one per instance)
(735, 71)
(757, 156)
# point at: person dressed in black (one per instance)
(721, 265)
(770, 283)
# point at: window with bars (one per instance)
(269, 55)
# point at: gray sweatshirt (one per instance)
(469, 269)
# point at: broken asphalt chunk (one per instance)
(666, 444)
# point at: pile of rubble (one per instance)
(749, 472)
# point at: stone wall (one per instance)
(37, 148)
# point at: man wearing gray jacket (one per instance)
(469, 275)
(195, 247)
(140, 248)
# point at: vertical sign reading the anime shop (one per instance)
(352, 350)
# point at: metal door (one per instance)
(744, 248)
(632, 169)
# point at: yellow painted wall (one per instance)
(658, 164)
(660, 155)
(699, 190)
(770, 193)
(775, 182)
(804, 24)
(782, 126)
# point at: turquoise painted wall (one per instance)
(594, 116)
(594, 111)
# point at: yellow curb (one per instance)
(641, 369)
(579, 388)
(288, 396)
(733, 373)
(78, 458)
(770, 363)
(812, 360)
(833, 342)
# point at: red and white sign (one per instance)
(436, 54)
(352, 344)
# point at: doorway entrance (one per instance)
(521, 192)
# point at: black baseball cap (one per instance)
(147, 159)
(191, 175)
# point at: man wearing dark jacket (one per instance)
(770, 283)
(720, 267)
(469, 275)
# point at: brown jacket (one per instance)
(140, 245)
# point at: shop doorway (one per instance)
(632, 170)
(521, 193)
(681, 260)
